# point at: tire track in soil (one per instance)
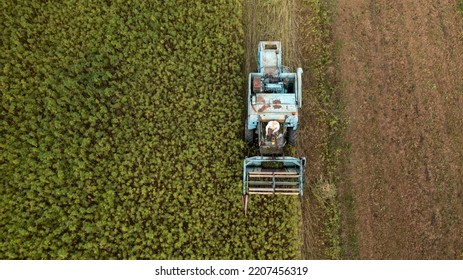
(401, 65)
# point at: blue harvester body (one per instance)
(273, 94)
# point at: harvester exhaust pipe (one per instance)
(299, 86)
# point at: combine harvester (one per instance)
(274, 97)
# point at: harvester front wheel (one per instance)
(248, 134)
(292, 136)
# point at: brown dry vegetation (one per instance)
(401, 65)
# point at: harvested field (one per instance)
(396, 69)
(400, 66)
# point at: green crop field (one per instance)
(121, 134)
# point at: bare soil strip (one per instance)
(401, 68)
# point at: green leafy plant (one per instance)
(121, 135)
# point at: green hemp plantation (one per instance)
(121, 134)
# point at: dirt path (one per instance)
(401, 68)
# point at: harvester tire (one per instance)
(248, 134)
(292, 136)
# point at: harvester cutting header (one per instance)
(274, 97)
